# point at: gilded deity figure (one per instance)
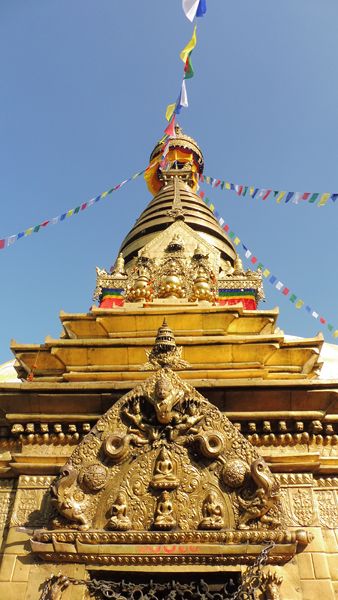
(119, 519)
(164, 514)
(213, 512)
(164, 399)
(164, 472)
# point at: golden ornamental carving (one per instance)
(164, 461)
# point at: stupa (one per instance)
(172, 443)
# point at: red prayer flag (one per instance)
(226, 227)
(202, 194)
(267, 193)
(254, 260)
(2, 244)
(322, 320)
(306, 195)
(170, 129)
(285, 291)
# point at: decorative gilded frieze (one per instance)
(163, 459)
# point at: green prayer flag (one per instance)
(293, 298)
(313, 197)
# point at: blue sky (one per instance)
(84, 87)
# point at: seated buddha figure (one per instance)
(164, 514)
(212, 511)
(119, 521)
(164, 472)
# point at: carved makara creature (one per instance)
(258, 505)
(68, 499)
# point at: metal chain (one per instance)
(251, 581)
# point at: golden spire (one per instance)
(175, 198)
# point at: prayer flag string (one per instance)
(8, 241)
(266, 272)
(318, 198)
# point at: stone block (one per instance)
(317, 589)
(7, 567)
(332, 560)
(305, 566)
(22, 568)
(330, 540)
(12, 591)
(320, 564)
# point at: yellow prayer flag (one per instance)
(280, 197)
(324, 198)
(236, 241)
(29, 231)
(170, 111)
(227, 185)
(212, 207)
(189, 47)
(251, 190)
(299, 303)
(69, 213)
(104, 194)
(266, 272)
(335, 333)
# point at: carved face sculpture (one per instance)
(165, 399)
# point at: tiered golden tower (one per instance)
(172, 443)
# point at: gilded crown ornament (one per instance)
(165, 353)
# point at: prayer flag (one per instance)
(324, 198)
(188, 68)
(182, 101)
(266, 272)
(313, 198)
(334, 197)
(189, 47)
(170, 111)
(288, 197)
(248, 254)
(11, 240)
(280, 197)
(194, 8)
(293, 298)
(335, 333)
(273, 279)
(285, 291)
(236, 241)
(170, 129)
(315, 315)
(322, 320)
(2, 244)
(202, 8)
(254, 260)
(299, 303)
(267, 193)
(27, 232)
(279, 285)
